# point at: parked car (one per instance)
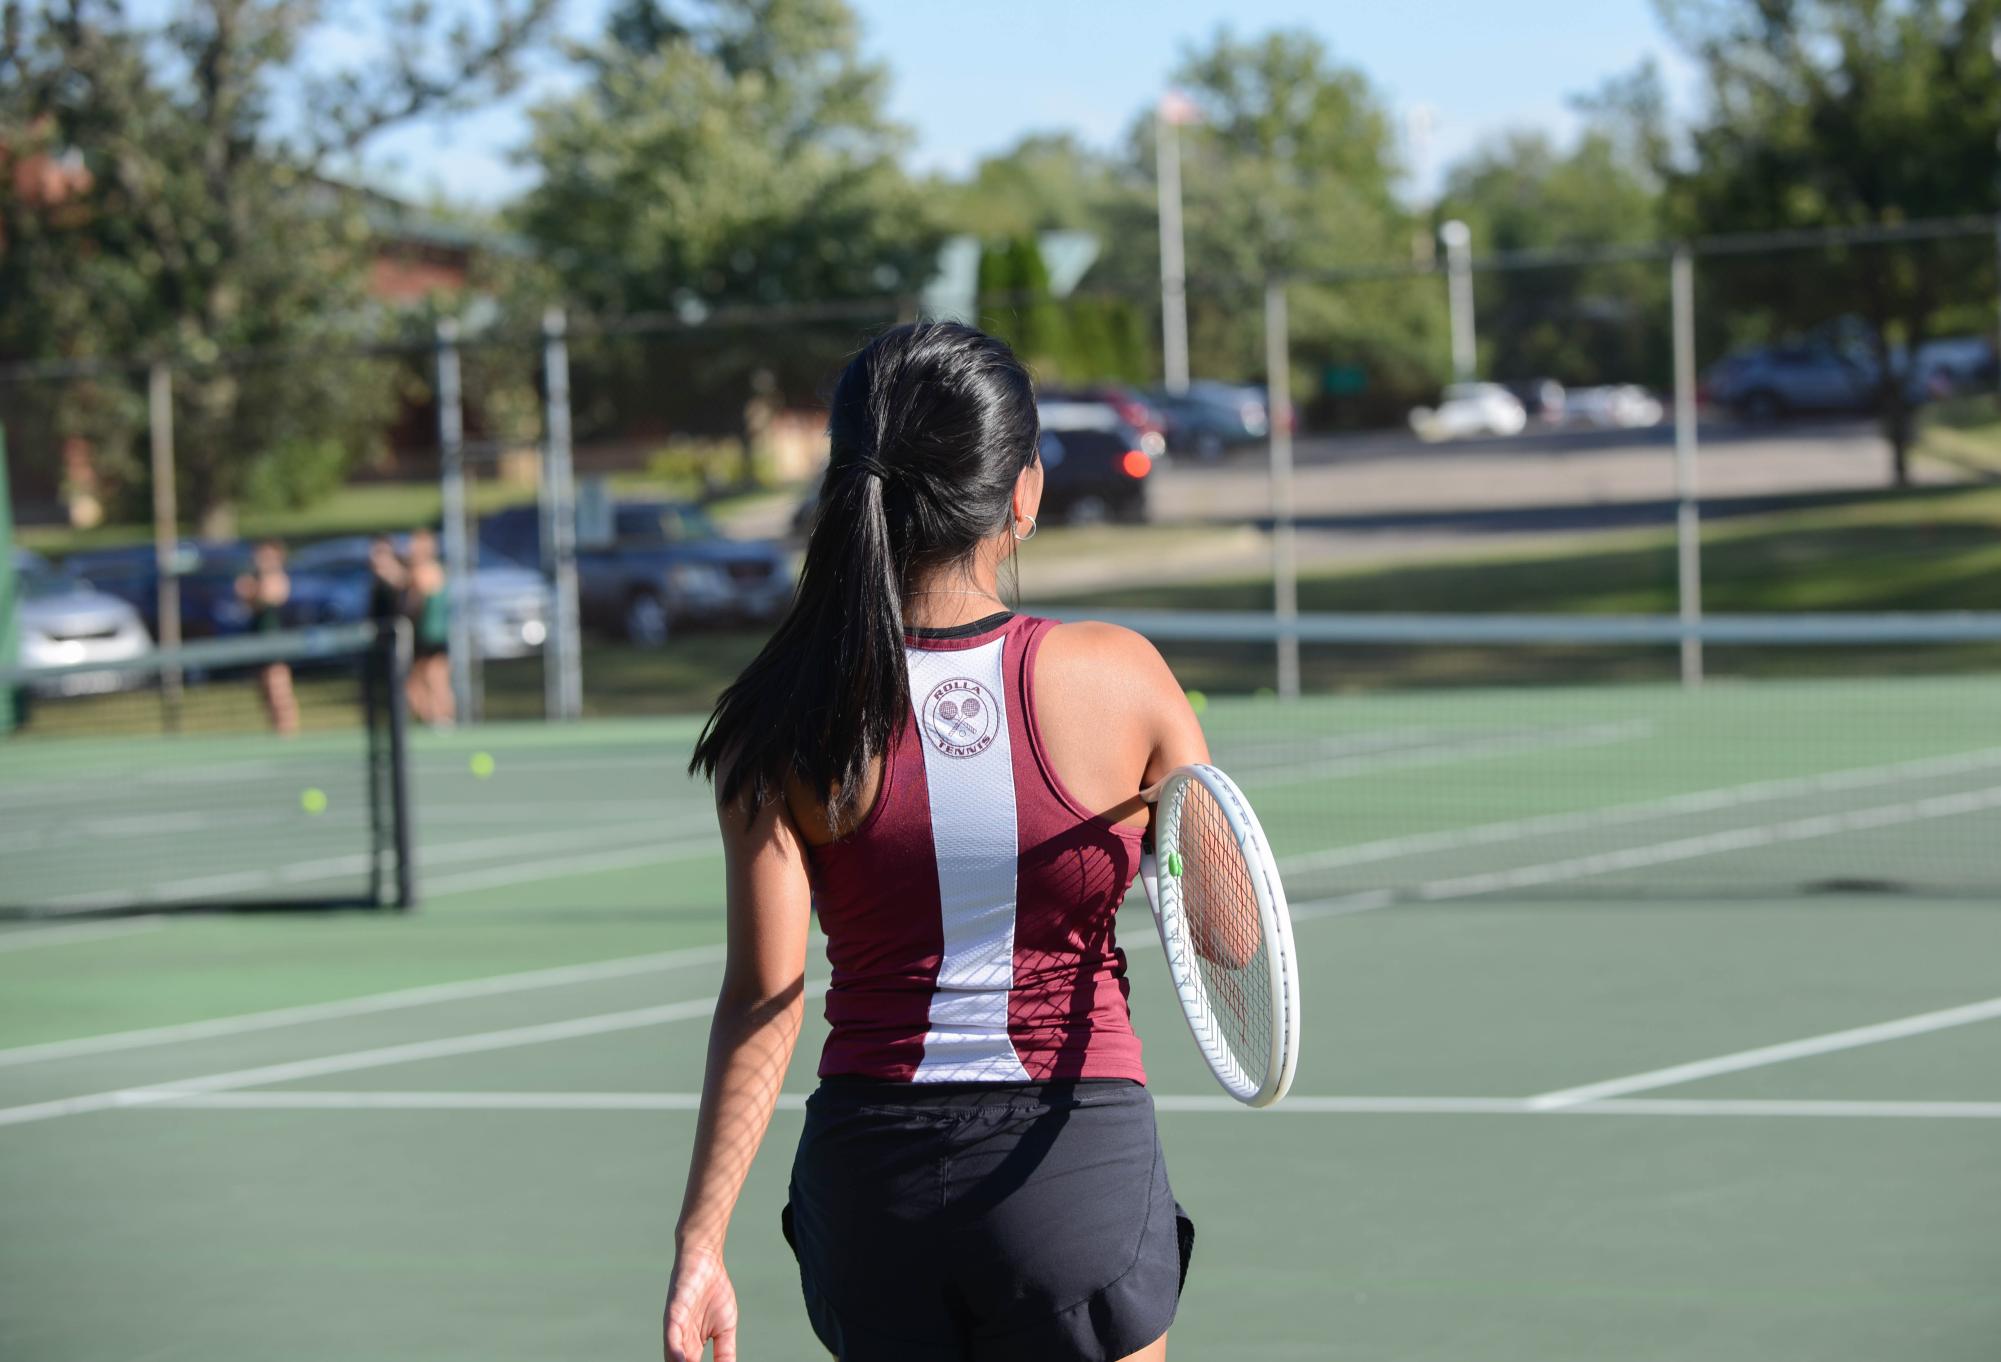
(1767, 382)
(1139, 411)
(666, 565)
(208, 571)
(1542, 398)
(1618, 406)
(1093, 467)
(511, 604)
(1470, 409)
(65, 622)
(1210, 419)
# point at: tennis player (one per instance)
(955, 789)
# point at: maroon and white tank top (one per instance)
(969, 916)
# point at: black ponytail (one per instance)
(931, 426)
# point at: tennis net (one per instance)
(1446, 758)
(182, 779)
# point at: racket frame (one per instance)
(1275, 921)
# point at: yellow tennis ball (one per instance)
(482, 764)
(1197, 701)
(313, 801)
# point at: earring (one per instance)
(1021, 538)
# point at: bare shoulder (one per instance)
(1097, 655)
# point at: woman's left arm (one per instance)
(750, 1046)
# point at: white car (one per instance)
(1470, 409)
(1623, 406)
(66, 622)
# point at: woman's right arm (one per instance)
(756, 1025)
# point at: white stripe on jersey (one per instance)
(958, 696)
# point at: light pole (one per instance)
(1458, 239)
(1175, 109)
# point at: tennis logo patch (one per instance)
(960, 717)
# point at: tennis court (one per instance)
(1640, 1023)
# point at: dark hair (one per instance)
(931, 426)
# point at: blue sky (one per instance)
(970, 79)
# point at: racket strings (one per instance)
(1220, 902)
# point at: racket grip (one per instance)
(1149, 878)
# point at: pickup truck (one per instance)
(665, 565)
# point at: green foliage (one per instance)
(1292, 170)
(739, 156)
(194, 230)
(1846, 113)
(1083, 338)
(695, 467)
(1579, 324)
(1045, 182)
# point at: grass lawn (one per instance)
(1921, 550)
(1965, 433)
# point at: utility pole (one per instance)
(1175, 109)
(1458, 239)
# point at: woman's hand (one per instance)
(701, 1305)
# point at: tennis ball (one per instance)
(1197, 701)
(313, 801)
(482, 764)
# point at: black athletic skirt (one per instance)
(985, 1223)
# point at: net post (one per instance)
(451, 469)
(1688, 525)
(1278, 427)
(166, 515)
(396, 650)
(562, 662)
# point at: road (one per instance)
(1386, 497)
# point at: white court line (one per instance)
(355, 863)
(292, 1071)
(1490, 745)
(1716, 843)
(26, 938)
(1366, 901)
(1694, 801)
(495, 877)
(423, 996)
(1297, 1105)
(1921, 1024)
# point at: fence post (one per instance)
(1458, 239)
(166, 538)
(1278, 425)
(10, 637)
(1688, 525)
(562, 663)
(452, 472)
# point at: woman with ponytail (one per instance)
(955, 790)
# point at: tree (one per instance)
(1848, 114)
(1291, 171)
(1580, 324)
(209, 221)
(728, 152)
(1045, 182)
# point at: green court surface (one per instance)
(1640, 1024)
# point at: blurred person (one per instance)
(428, 609)
(264, 590)
(958, 792)
(387, 580)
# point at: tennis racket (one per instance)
(1226, 932)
